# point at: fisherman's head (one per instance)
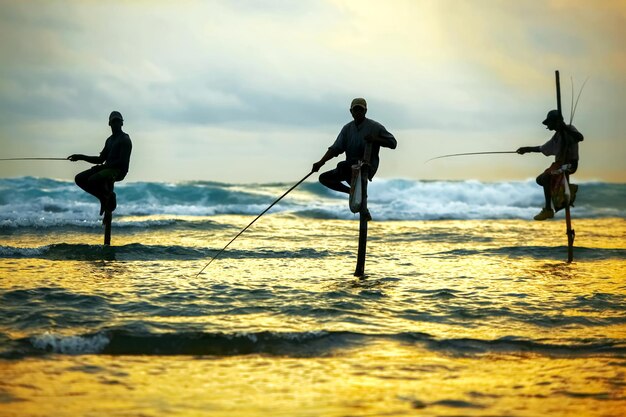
(115, 117)
(553, 120)
(358, 108)
(116, 121)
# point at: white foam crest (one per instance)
(47, 212)
(426, 200)
(51, 342)
(302, 336)
(389, 199)
(50, 221)
(191, 209)
(518, 194)
(250, 336)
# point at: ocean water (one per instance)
(468, 308)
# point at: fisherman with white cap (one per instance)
(352, 140)
(564, 146)
(112, 165)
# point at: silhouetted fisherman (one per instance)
(112, 165)
(564, 146)
(351, 140)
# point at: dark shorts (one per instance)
(101, 173)
(97, 177)
(343, 171)
(545, 177)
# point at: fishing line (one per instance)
(34, 159)
(469, 153)
(571, 106)
(578, 98)
(250, 224)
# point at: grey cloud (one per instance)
(46, 94)
(43, 94)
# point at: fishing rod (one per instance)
(34, 159)
(468, 153)
(257, 217)
(571, 118)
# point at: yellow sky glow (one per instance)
(205, 85)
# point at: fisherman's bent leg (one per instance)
(83, 180)
(544, 180)
(104, 181)
(98, 181)
(334, 179)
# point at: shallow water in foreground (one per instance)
(459, 317)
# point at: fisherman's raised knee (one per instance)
(542, 179)
(80, 179)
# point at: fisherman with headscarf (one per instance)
(564, 146)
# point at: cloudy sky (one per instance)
(255, 91)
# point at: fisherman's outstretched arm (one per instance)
(527, 149)
(91, 159)
(330, 154)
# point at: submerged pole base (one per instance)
(360, 260)
(364, 214)
(106, 221)
(571, 235)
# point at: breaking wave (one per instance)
(29, 202)
(298, 344)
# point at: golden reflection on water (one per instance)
(381, 379)
(414, 268)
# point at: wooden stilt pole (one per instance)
(571, 235)
(106, 221)
(568, 219)
(364, 215)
